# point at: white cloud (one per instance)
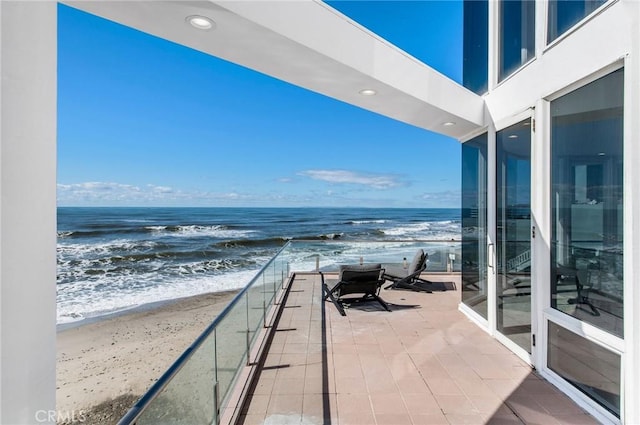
(445, 199)
(376, 181)
(114, 194)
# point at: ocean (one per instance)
(114, 259)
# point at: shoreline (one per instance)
(119, 356)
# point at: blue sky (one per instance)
(146, 122)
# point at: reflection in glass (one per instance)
(563, 14)
(517, 35)
(475, 60)
(513, 228)
(587, 203)
(591, 368)
(474, 224)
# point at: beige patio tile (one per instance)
(472, 385)
(456, 404)
(426, 365)
(368, 349)
(264, 385)
(412, 385)
(252, 419)
(289, 404)
(421, 404)
(487, 403)
(576, 419)
(347, 385)
(503, 388)
(466, 419)
(354, 409)
(259, 404)
(295, 348)
(380, 383)
(293, 359)
(430, 419)
(504, 420)
(313, 405)
(287, 386)
(291, 372)
(314, 385)
(393, 419)
(439, 386)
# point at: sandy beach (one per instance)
(105, 366)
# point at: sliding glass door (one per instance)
(513, 233)
(474, 224)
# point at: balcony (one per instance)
(280, 355)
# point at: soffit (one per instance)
(311, 45)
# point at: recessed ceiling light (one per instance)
(200, 22)
(368, 92)
(513, 136)
(601, 154)
(448, 123)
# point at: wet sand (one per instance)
(104, 366)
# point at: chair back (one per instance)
(419, 262)
(365, 279)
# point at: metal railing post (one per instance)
(248, 348)
(248, 331)
(216, 401)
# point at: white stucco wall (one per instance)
(28, 42)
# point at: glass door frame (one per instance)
(541, 156)
(493, 221)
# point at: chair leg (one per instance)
(381, 301)
(329, 294)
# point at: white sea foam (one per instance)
(356, 222)
(216, 231)
(436, 230)
(88, 299)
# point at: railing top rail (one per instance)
(134, 413)
(375, 241)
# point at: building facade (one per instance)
(549, 128)
(550, 187)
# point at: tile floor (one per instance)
(422, 363)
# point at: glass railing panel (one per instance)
(444, 256)
(188, 399)
(257, 304)
(231, 346)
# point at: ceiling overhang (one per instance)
(309, 44)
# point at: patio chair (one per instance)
(356, 279)
(409, 277)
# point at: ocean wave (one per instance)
(148, 267)
(330, 236)
(359, 222)
(95, 298)
(244, 243)
(441, 230)
(80, 251)
(217, 231)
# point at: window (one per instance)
(513, 233)
(589, 367)
(563, 14)
(517, 35)
(475, 61)
(587, 203)
(474, 224)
